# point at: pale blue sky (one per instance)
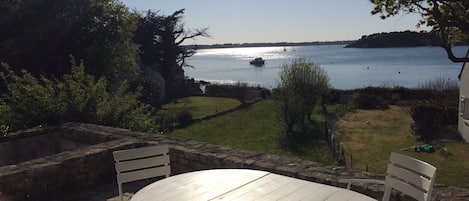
(240, 21)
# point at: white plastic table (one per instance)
(241, 184)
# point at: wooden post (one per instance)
(351, 161)
(326, 130)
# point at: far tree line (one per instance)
(397, 39)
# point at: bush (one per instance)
(184, 118)
(369, 101)
(438, 108)
(149, 88)
(428, 118)
(175, 119)
(77, 97)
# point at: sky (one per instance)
(252, 21)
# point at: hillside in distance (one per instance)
(397, 39)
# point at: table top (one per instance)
(241, 184)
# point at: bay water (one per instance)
(347, 68)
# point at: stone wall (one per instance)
(92, 165)
(36, 143)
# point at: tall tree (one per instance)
(449, 18)
(160, 38)
(40, 36)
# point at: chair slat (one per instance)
(140, 152)
(142, 174)
(414, 164)
(406, 188)
(130, 165)
(408, 176)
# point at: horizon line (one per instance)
(275, 43)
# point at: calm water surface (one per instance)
(347, 67)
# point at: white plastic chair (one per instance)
(141, 163)
(408, 175)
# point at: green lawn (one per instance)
(199, 106)
(254, 128)
(370, 136)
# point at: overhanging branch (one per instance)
(451, 56)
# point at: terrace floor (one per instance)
(104, 192)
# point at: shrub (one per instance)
(184, 118)
(428, 117)
(77, 97)
(369, 101)
(149, 88)
(123, 109)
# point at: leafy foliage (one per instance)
(301, 86)
(427, 119)
(437, 110)
(149, 88)
(40, 36)
(447, 17)
(77, 97)
(160, 38)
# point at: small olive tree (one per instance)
(301, 87)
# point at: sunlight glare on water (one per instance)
(246, 53)
(347, 68)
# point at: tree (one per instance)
(302, 84)
(160, 39)
(449, 18)
(40, 36)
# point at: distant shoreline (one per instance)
(397, 39)
(280, 44)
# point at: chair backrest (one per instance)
(410, 176)
(141, 163)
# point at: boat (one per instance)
(257, 61)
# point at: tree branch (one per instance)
(199, 32)
(419, 5)
(451, 56)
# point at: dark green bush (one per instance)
(369, 101)
(452, 116)
(427, 117)
(171, 120)
(184, 118)
(149, 88)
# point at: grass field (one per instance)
(200, 106)
(370, 135)
(255, 128)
